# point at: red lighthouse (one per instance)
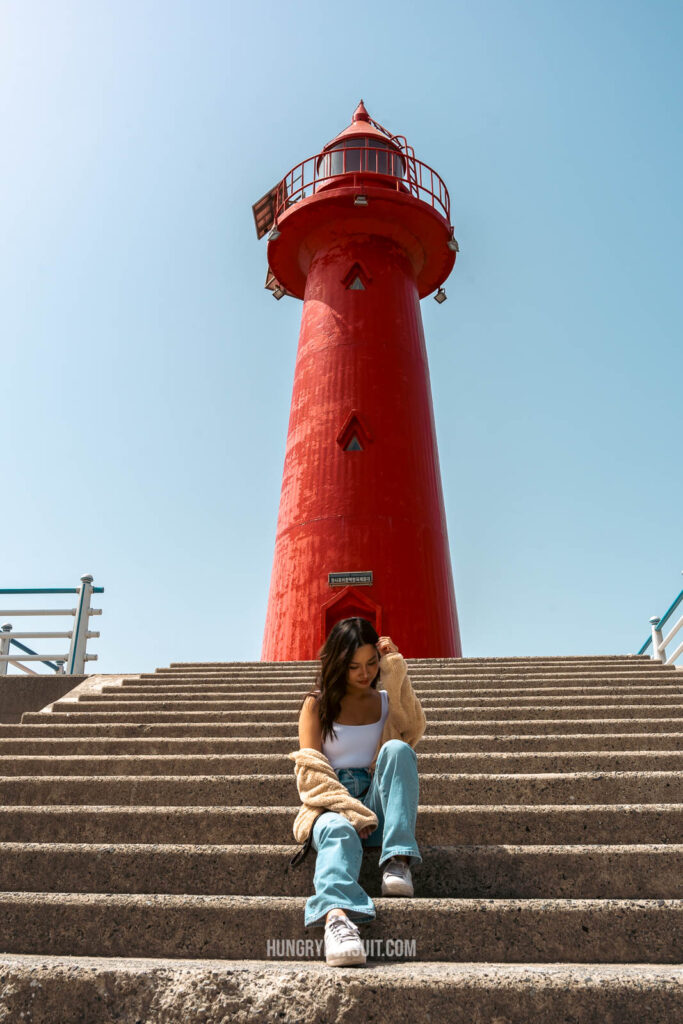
(361, 232)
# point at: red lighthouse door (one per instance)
(349, 603)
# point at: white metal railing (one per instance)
(658, 640)
(71, 663)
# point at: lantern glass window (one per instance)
(353, 155)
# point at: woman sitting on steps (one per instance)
(357, 778)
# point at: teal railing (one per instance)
(660, 642)
(17, 654)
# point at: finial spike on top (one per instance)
(360, 113)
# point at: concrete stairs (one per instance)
(145, 839)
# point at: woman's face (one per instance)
(362, 668)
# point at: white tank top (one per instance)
(354, 745)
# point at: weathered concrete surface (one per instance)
(188, 699)
(20, 693)
(28, 742)
(550, 822)
(76, 723)
(280, 790)
(74, 990)
(83, 687)
(499, 823)
(576, 872)
(209, 763)
(295, 691)
(237, 927)
(227, 711)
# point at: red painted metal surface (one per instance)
(361, 489)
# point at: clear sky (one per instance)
(146, 374)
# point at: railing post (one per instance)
(658, 652)
(4, 647)
(76, 663)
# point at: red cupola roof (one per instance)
(360, 113)
(362, 126)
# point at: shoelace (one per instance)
(342, 928)
(397, 867)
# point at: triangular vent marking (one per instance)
(354, 435)
(356, 280)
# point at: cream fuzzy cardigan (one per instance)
(320, 789)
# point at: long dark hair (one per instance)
(336, 655)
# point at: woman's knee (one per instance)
(397, 750)
(331, 827)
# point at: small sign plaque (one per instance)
(350, 579)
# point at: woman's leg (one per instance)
(337, 866)
(393, 796)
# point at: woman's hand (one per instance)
(385, 645)
(365, 832)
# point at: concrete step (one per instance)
(542, 824)
(627, 659)
(496, 872)
(61, 746)
(280, 790)
(293, 691)
(292, 703)
(256, 763)
(178, 724)
(461, 667)
(217, 711)
(492, 664)
(51, 725)
(463, 930)
(494, 659)
(621, 661)
(432, 664)
(159, 991)
(464, 666)
(476, 681)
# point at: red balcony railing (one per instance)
(393, 168)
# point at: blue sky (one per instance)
(146, 374)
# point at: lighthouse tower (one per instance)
(361, 232)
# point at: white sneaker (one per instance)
(397, 880)
(343, 945)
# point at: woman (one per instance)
(357, 778)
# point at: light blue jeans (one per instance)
(392, 793)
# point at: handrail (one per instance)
(71, 663)
(661, 622)
(402, 170)
(47, 590)
(659, 642)
(55, 666)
